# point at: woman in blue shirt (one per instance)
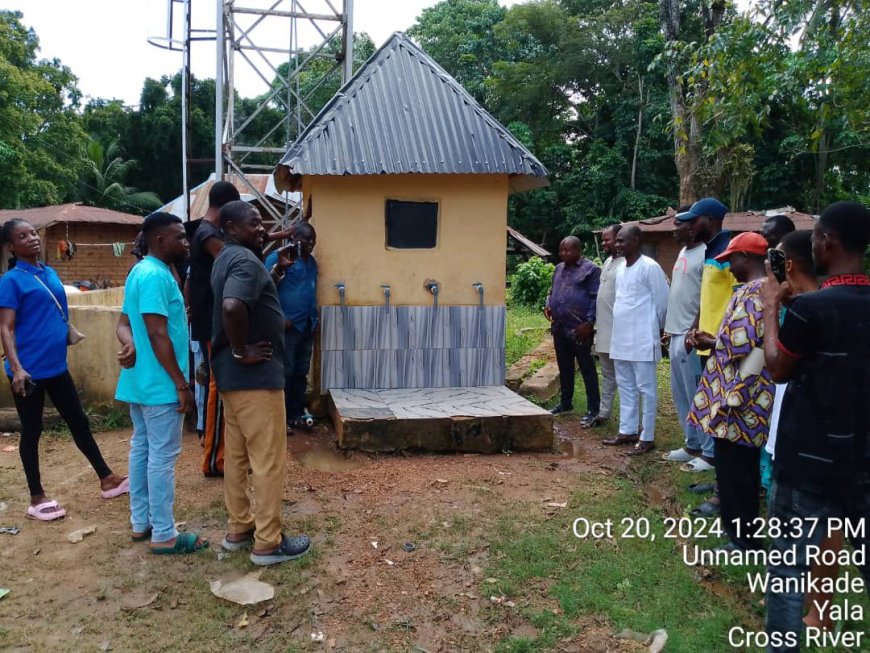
(33, 330)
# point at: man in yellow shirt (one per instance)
(717, 283)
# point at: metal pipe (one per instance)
(341, 288)
(219, 93)
(347, 69)
(185, 112)
(479, 288)
(386, 296)
(432, 287)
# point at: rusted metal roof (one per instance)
(737, 222)
(534, 248)
(265, 185)
(402, 113)
(45, 216)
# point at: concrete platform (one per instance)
(479, 419)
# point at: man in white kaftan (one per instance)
(635, 346)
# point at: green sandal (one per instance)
(184, 543)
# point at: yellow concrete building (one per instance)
(406, 179)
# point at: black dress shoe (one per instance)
(561, 408)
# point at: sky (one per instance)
(105, 42)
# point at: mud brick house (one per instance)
(103, 241)
(406, 179)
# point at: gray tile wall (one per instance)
(412, 346)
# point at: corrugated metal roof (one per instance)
(402, 113)
(264, 183)
(738, 222)
(534, 248)
(45, 216)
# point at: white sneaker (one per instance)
(678, 456)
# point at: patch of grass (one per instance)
(518, 343)
(639, 583)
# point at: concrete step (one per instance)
(543, 384)
(483, 419)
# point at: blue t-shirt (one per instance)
(40, 329)
(152, 289)
(297, 292)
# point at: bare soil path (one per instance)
(359, 591)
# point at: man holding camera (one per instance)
(294, 271)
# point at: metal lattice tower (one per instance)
(255, 38)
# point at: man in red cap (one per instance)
(735, 395)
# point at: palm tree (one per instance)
(102, 182)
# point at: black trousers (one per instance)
(62, 392)
(567, 351)
(739, 481)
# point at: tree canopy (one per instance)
(633, 105)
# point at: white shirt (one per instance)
(639, 311)
(604, 304)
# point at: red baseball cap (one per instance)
(748, 242)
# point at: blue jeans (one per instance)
(685, 376)
(785, 610)
(154, 448)
(297, 360)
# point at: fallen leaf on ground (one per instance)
(4, 592)
(317, 637)
(243, 622)
(441, 480)
(374, 545)
(246, 590)
(134, 603)
(77, 536)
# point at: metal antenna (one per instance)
(254, 37)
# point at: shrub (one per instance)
(531, 283)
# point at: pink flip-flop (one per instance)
(41, 511)
(122, 488)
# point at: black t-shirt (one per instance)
(822, 444)
(239, 274)
(199, 281)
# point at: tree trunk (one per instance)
(686, 129)
(640, 108)
(824, 139)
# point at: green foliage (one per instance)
(41, 139)
(531, 283)
(526, 328)
(102, 183)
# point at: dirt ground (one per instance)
(359, 591)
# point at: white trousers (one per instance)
(637, 379)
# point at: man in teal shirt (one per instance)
(154, 337)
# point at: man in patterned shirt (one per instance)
(735, 397)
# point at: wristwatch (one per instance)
(183, 387)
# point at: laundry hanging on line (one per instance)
(66, 249)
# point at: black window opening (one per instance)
(412, 225)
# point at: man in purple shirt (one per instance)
(571, 310)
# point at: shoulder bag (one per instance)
(73, 335)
